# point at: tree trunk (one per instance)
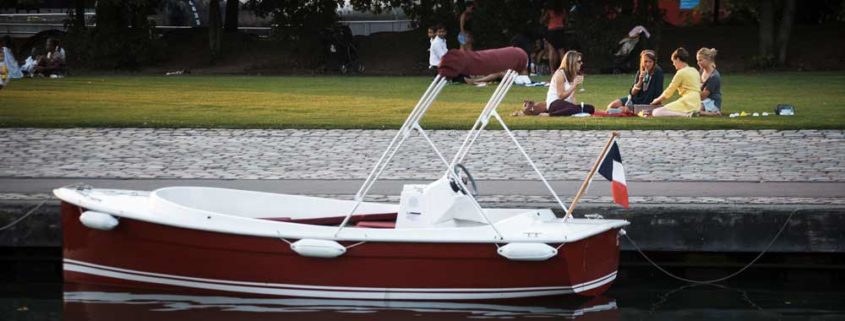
(785, 29)
(425, 14)
(767, 26)
(214, 28)
(79, 14)
(715, 12)
(232, 11)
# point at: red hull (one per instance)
(141, 254)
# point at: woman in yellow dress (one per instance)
(688, 84)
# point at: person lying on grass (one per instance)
(457, 65)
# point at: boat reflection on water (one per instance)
(106, 304)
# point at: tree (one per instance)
(426, 12)
(297, 20)
(79, 14)
(232, 11)
(122, 38)
(785, 29)
(214, 28)
(774, 46)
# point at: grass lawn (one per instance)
(383, 102)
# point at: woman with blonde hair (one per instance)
(711, 82)
(4, 71)
(688, 85)
(648, 84)
(560, 99)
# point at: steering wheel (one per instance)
(473, 186)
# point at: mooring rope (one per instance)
(782, 228)
(24, 216)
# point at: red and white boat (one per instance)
(437, 243)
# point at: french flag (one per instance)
(611, 169)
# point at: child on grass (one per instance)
(438, 47)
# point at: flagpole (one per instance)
(586, 182)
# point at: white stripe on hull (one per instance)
(276, 289)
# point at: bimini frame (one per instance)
(412, 124)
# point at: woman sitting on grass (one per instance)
(560, 99)
(4, 71)
(688, 85)
(711, 82)
(648, 84)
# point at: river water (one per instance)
(640, 293)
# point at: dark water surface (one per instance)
(640, 294)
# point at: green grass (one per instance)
(382, 102)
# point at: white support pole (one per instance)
(528, 158)
(399, 133)
(485, 115)
(416, 114)
(460, 182)
(490, 111)
(481, 122)
(477, 122)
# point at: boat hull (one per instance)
(154, 256)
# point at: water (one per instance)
(640, 294)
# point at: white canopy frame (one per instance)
(412, 123)
(475, 132)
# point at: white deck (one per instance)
(241, 212)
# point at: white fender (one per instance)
(98, 220)
(318, 248)
(527, 251)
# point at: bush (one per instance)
(495, 22)
(123, 39)
(594, 27)
(763, 62)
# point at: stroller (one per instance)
(340, 49)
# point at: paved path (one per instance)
(705, 161)
(722, 155)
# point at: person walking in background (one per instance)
(438, 47)
(711, 82)
(465, 34)
(12, 66)
(648, 84)
(688, 84)
(554, 17)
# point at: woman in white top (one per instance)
(560, 99)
